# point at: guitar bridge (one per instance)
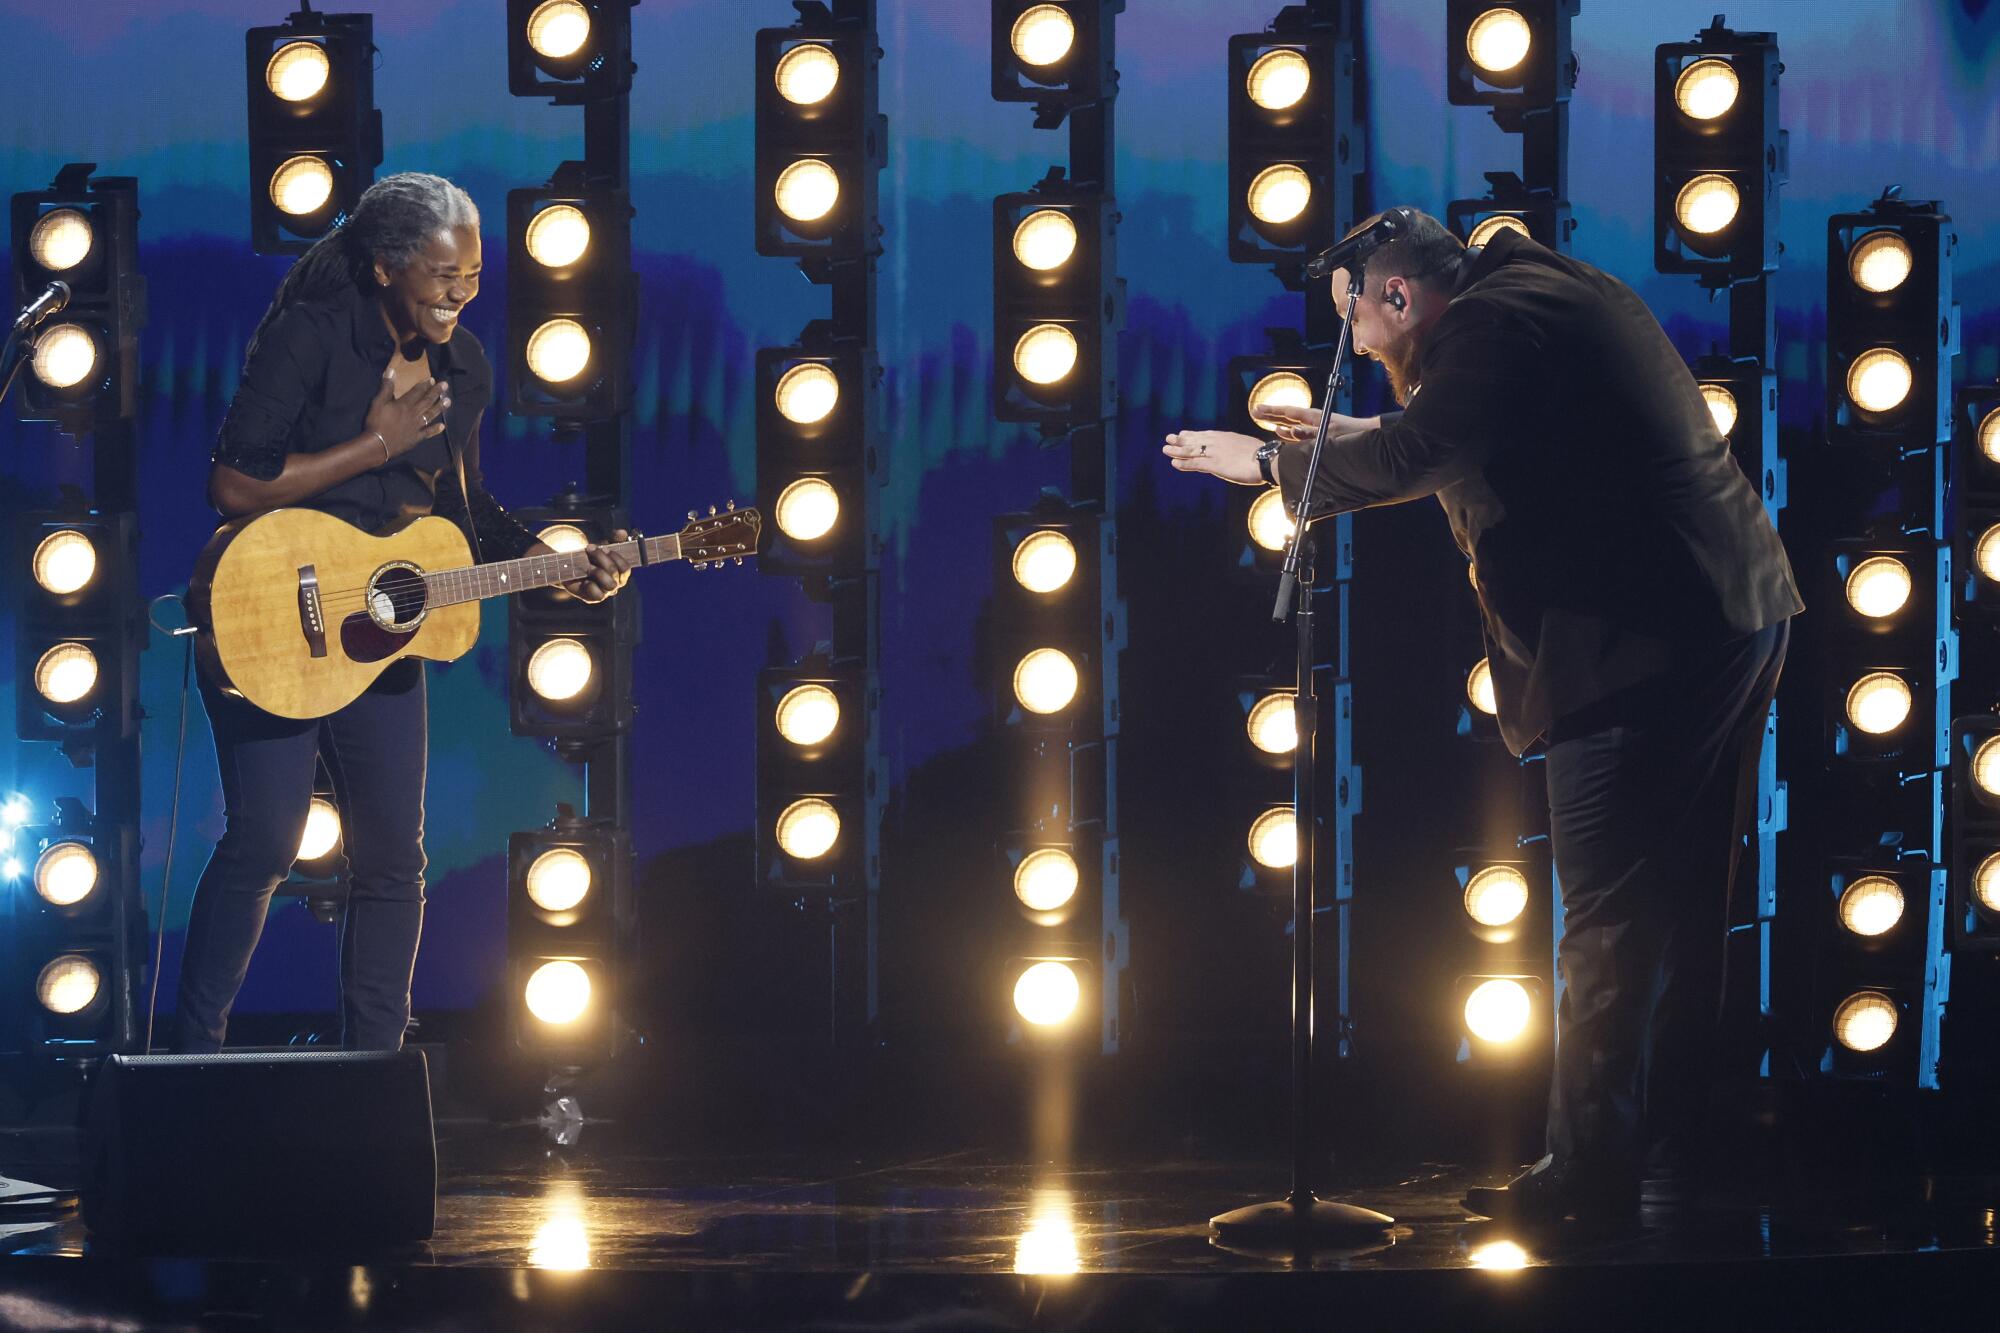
(311, 622)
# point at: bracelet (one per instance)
(385, 444)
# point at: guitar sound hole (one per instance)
(397, 598)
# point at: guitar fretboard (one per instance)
(448, 587)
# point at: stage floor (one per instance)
(607, 1233)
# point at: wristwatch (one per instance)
(1266, 452)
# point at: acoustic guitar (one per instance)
(298, 612)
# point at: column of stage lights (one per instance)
(821, 144)
(72, 891)
(571, 311)
(1295, 142)
(1974, 897)
(1515, 60)
(1880, 974)
(1058, 621)
(1718, 160)
(315, 135)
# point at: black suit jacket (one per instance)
(1611, 532)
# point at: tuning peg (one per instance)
(692, 516)
(730, 506)
(739, 559)
(701, 564)
(711, 511)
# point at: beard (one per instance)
(1400, 359)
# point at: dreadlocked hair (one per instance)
(393, 220)
(1425, 248)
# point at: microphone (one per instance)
(52, 299)
(1358, 246)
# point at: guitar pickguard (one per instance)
(365, 641)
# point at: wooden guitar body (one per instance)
(260, 580)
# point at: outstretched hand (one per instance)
(1298, 425)
(1220, 453)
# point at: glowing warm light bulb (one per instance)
(1707, 89)
(563, 538)
(64, 562)
(808, 828)
(1986, 883)
(558, 236)
(1046, 879)
(68, 985)
(1045, 354)
(806, 394)
(1047, 993)
(557, 30)
(1707, 204)
(1879, 703)
(1986, 553)
(322, 829)
(66, 673)
(1045, 240)
(1496, 896)
(808, 714)
(65, 874)
(1271, 525)
(1498, 40)
(807, 190)
(1879, 586)
(1989, 435)
(1273, 723)
(807, 509)
(558, 351)
(1880, 262)
(60, 239)
(1479, 687)
(1498, 1010)
(1280, 388)
(1871, 905)
(1042, 36)
(65, 356)
(558, 992)
(1279, 194)
(1721, 406)
(297, 71)
(558, 879)
(1045, 681)
(1865, 1021)
(560, 669)
(301, 185)
(1045, 561)
(1274, 838)
(1986, 766)
(807, 74)
(1490, 227)
(1880, 380)
(1278, 80)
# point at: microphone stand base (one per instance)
(1286, 1220)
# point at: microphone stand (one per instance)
(17, 338)
(1301, 1218)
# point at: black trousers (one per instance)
(1650, 797)
(375, 749)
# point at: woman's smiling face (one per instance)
(425, 298)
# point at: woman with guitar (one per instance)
(361, 397)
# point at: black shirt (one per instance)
(1612, 532)
(307, 386)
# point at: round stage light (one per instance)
(1278, 80)
(558, 992)
(563, 538)
(1045, 561)
(1707, 204)
(557, 30)
(297, 71)
(1043, 35)
(806, 393)
(1273, 723)
(65, 356)
(1986, 883)
(1498, 1010)
(1046, 879)
(1047, 993)
(806, 74)
(1880, 262)
(1045, 354)
(65, 874)
(807, 509)
(1871, 905)
(1490, 227)
(1496, 896)
(558, 879)
(1707, 89)
(1271, 524)
(1274, 838)
(1280, 388)
(560, 669)
(1879, 380)
(301, 185)
(1865, 1021)
(808, 829)
(1986, 553)
(1986, 766)
(1721, 406)
(558, 351)
(322, 829)
(1879, 703)
(68, 985)
(558, 236)
(1498, 41)
(808, 714)
(1279, 194)
(1479, 687)
(1989, 436)
(60, 239)
(1045, 240)
(64, 562)
(1879, 586)
(807, 190)
(1045, 681)
(66, 673)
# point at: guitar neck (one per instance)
(448, 587)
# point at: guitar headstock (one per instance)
(729, 535)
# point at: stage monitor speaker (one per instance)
(282, 1150)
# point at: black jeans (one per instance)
(1650, 797)
(375, 750)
